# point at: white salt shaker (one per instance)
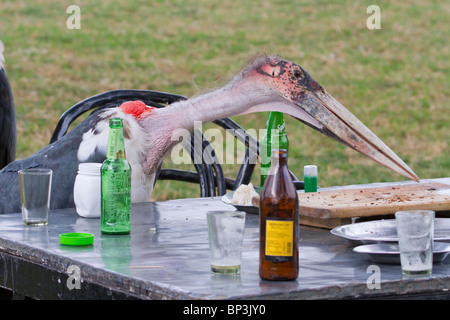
(87, 190)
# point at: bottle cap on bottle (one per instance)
(310, 171)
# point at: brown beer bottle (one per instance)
(278, 214)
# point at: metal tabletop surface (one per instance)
(166, 256)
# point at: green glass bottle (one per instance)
(116, 184)
(275, 138)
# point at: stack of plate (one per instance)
(378, 239)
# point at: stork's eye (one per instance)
(297, 73)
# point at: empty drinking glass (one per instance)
(35, 186)
(415, 229)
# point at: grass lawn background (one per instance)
(395, 80)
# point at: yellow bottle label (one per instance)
(279, 238)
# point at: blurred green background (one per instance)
(395, 79)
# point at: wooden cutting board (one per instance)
(339, 206)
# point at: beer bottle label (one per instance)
(279, 238)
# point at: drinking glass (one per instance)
(226, 234)
(35, 187)
(415, 229)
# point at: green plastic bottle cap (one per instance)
(76, 239)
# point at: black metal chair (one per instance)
(209, 174)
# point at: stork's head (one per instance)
(285, 86)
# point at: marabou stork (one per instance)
(267, 83)
(7, 117)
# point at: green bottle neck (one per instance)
(116, 144)
(276, 121)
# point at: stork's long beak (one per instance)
(334, 120)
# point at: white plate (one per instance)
(390, 254)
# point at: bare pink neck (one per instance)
(162, 125)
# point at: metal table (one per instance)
(166, 257)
